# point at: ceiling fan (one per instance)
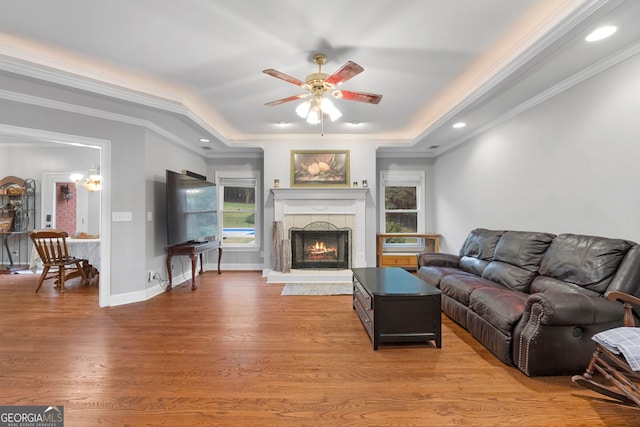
(320, 84)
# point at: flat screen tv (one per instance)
(192, 213)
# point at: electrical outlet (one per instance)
(149, 275)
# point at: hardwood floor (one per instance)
(236, 353)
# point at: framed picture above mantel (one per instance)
(320, 168)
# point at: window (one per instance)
(239, 217)
(402, 207)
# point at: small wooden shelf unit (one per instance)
(405, 259)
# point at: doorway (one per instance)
(103, 147)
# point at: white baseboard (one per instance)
(148, 293)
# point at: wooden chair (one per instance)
(52, 248)
(621, 380)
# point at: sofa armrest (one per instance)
(554, 335)
(567, 309)
(437, 259)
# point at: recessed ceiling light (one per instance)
(205, 140)
(282, 124)
(459, 125)
(601, 33)
(355, 123)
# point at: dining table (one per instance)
(88, 249)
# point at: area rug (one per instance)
(317, 289)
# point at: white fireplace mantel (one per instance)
(319, 193)
(332, 201)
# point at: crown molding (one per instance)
(93, 112)
(114, 88)
(518, 61)
(574, 80)
(118, 88)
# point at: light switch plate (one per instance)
(121, 216)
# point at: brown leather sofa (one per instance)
(535, 299)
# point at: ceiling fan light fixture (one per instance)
(327, 107)
(335, 115)
(303, 109)
(314, 115)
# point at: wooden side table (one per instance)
(405, 259)
(193, 250)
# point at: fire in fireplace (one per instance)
(320, 245)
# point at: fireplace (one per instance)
(320, 245)
(299, 207)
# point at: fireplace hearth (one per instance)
(320, 245)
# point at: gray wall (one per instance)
(567, 165)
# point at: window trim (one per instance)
(402, 178)
(239, 179)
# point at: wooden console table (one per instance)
(193, 250)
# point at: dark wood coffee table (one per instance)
(396, 306)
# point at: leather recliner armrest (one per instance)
(566, 309)
(436, 259)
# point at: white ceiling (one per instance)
(193, 68)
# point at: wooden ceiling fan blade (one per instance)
(348, 70)
(288, 99)
(282, 76)
(370, 98)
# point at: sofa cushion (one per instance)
(587, 261)
(481, 243)
(473, 265)
(460, 286)
(434, 275)
(543, 284)
(517, 258)
(501, 308)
